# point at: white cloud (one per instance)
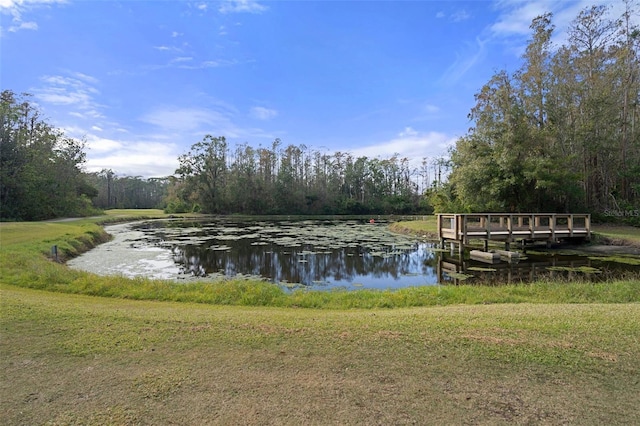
(147, 158)
(240, 6)
(262, 113)
(187, 119)
(209, 64)
(181, 59)
(77, 92)
(188, 125)
(457, 16)
(24, 26)
(431, 109)
(473, 54)
(408, 132)
(516, 16)
(86, 78)
(97, 144)
(57, 95)
(460, 15)
(17, 8)
(13, 4)
(132, 156)
(411, 144)
(188, 63)
(141, 153)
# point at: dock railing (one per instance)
(508, 227)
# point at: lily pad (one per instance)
(583, 269)
(618, 259)
(459, 275)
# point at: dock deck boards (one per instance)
(507, 227)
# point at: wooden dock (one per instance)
(508, 228)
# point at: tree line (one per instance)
(127, 192)
(42, 175)
(294, 179)
(40, 167)
(562, 133)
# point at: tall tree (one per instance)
(40, 168)
(560, 134)
(204, 172)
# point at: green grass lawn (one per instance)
(542, 353)
(623, 233)
(69, 359)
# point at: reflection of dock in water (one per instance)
(450, 269)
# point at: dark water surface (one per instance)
(312, 253)
(344, 253)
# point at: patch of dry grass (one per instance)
(70, 359)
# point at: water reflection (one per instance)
(453, 269)
(308, 253)
(340, 253)
(349, 266)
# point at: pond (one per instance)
(318, 254)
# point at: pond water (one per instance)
(313, 254)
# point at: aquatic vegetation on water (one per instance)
(618, 259)
(481, 269)
(459, 275)
(327, 254)
(583, 269)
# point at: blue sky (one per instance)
(142, 81)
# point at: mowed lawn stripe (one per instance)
(71, 359)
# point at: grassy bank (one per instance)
(69, 359)
(618, 234)
(427, 229)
